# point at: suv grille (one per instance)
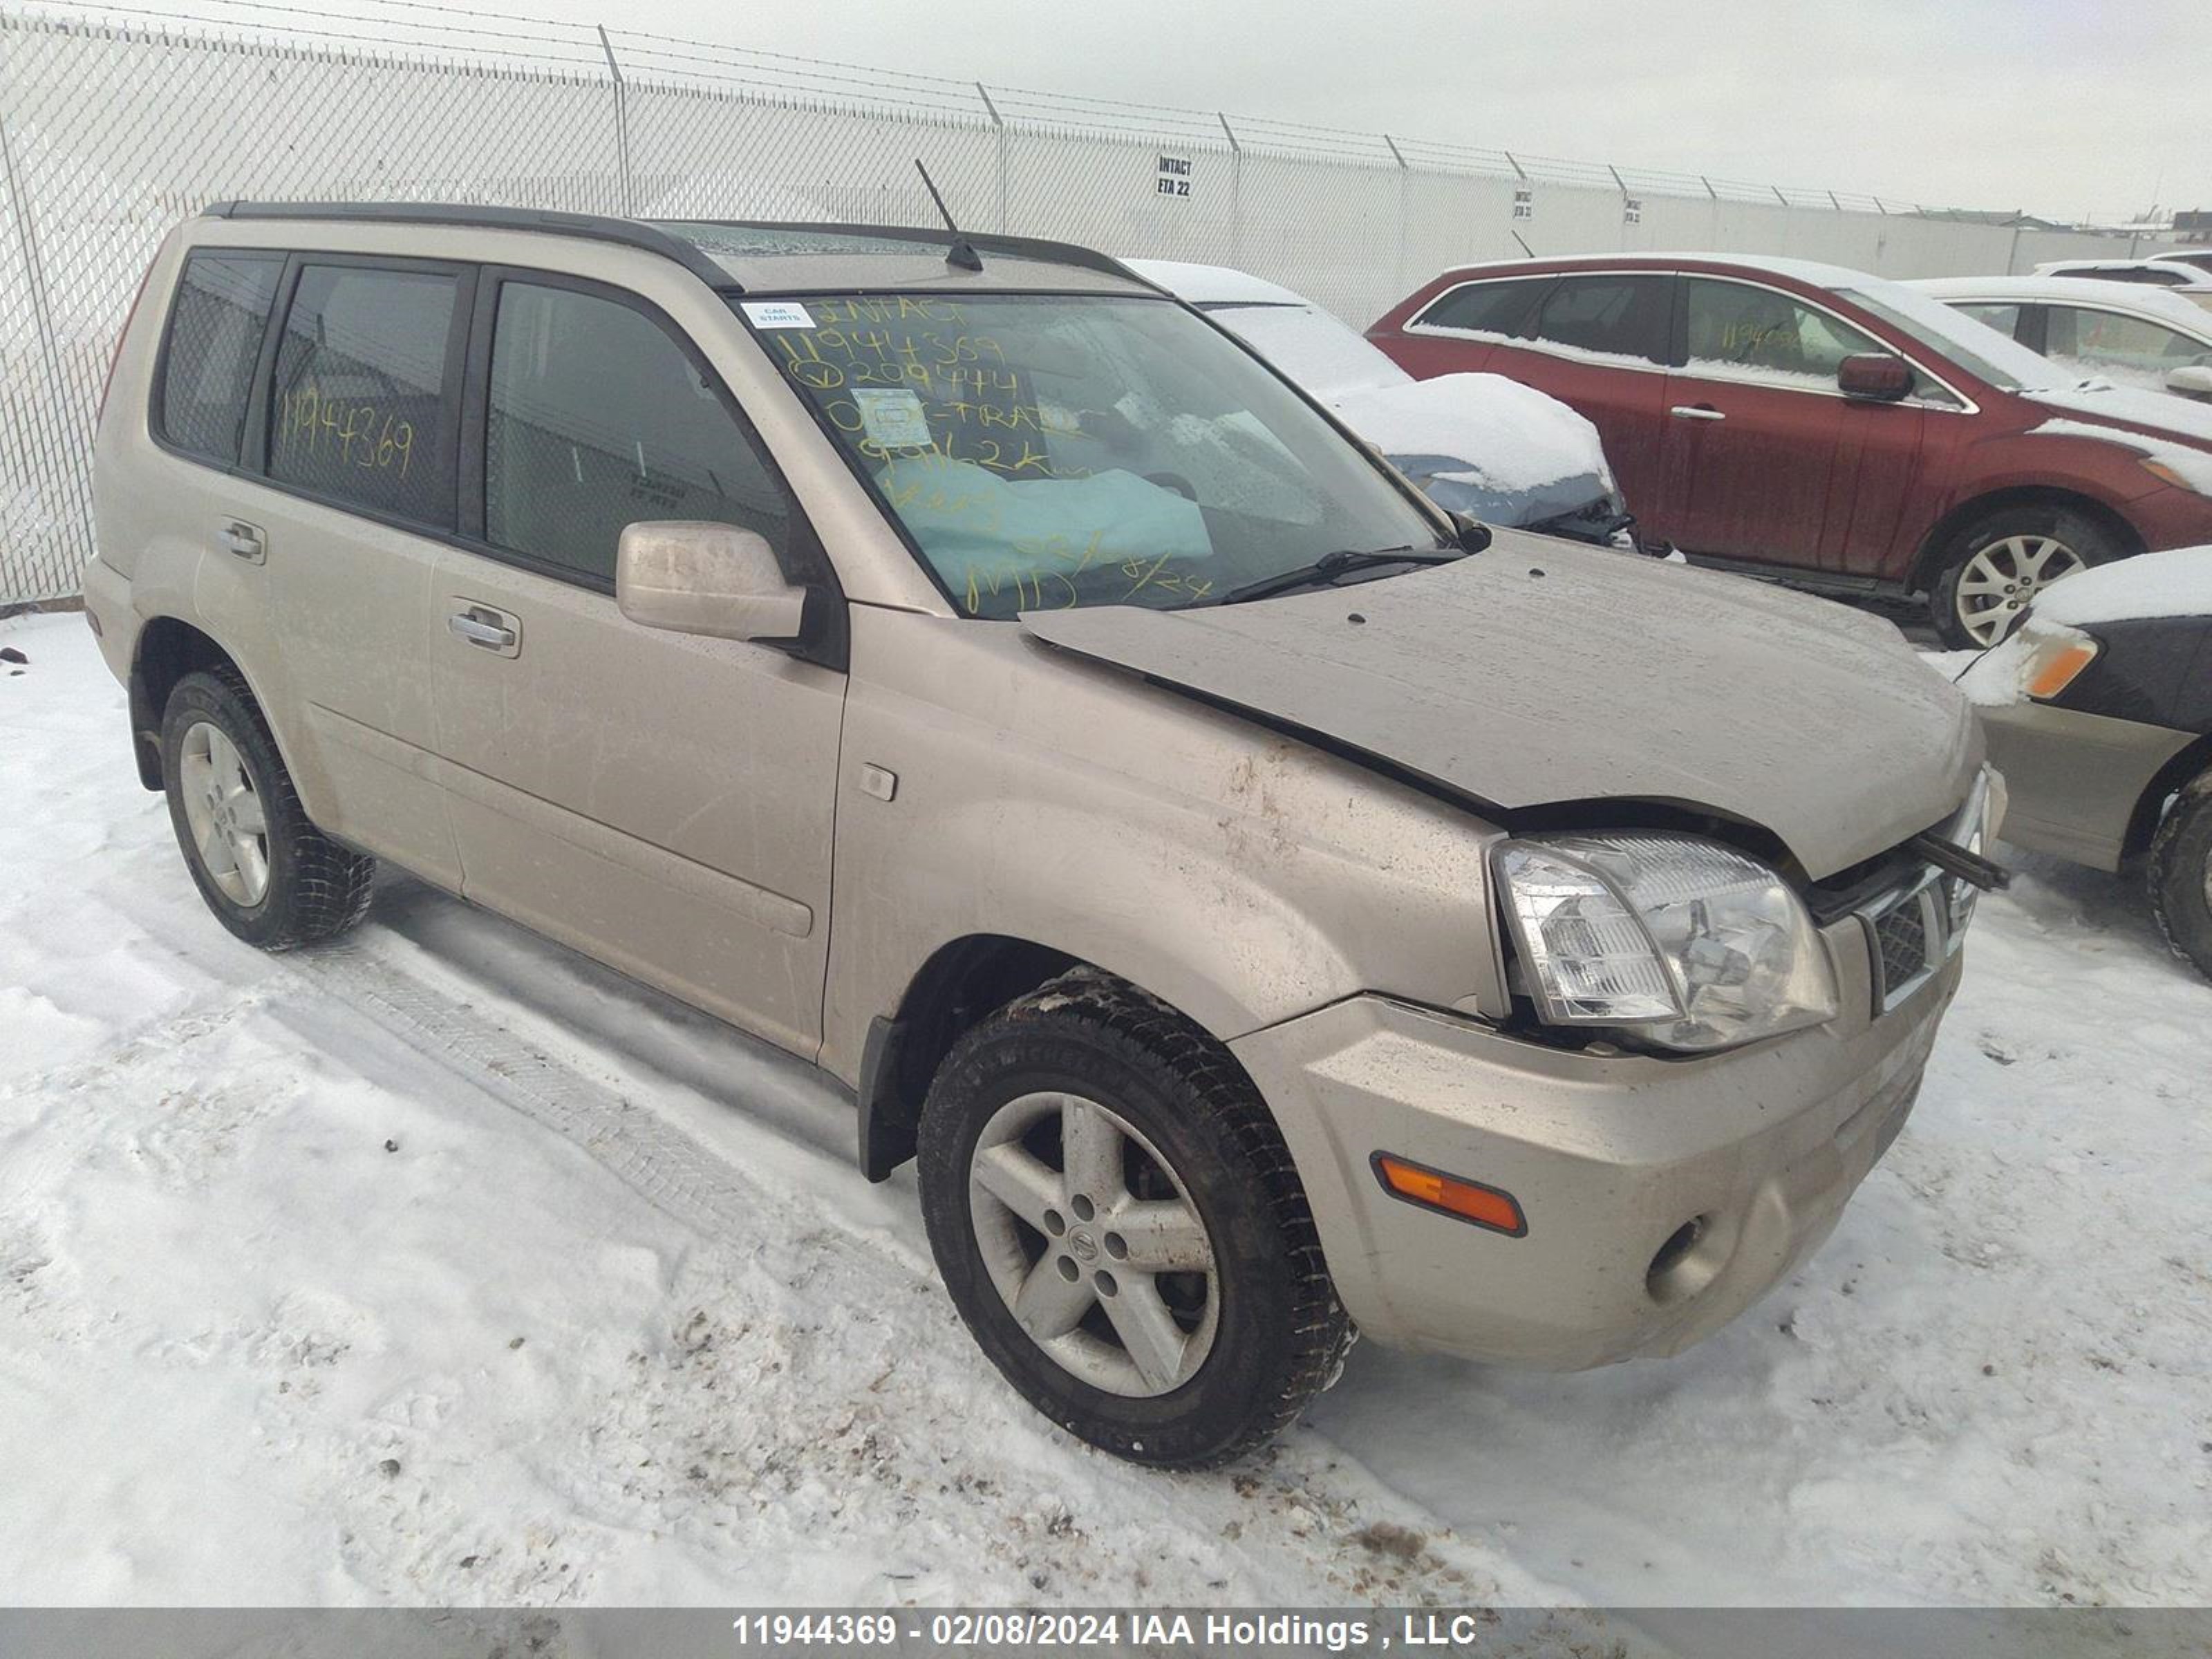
(1903, 936)
(1910, 935)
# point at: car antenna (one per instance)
(1525, 248)
(960, 253)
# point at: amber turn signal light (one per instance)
(2057, 672)
(1432, 1189)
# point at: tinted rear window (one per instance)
(1486, 307)
(360, 411)
(214, 339)
(1619, 316)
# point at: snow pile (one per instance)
(1480, 429)
(443, 1267)
(1314, 348)
(1510, 436)
(2177, 583)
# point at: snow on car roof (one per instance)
(2171, 306)
(2177, 583)
(1804, 270)
(1213, 285)
(2191, 276)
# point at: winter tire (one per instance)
(2180, 874)
(1120, 1225)
(269, 875)
(2001, 563)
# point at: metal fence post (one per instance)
(1236, 192)
(622, 123)
(1404, 189)
(72, 464)
(1000, 125)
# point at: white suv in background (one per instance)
(2157, 339)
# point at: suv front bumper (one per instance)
(1610, 1157)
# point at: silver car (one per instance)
(2098, 707)
(1262, 907)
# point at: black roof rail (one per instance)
(652, 239)
(629, 232)
(1023, 247)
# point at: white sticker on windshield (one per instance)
(893, 417)
(776, 313)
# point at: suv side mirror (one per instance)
(712, 579)
(1875, 375)
(2190, 380)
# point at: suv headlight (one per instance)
(1683, 943)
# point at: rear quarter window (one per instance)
(1501, 307)
(209, 354)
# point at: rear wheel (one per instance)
(269, 875)
(2180, 874)
(2001, 563)
(1120, 1225)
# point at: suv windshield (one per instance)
(1042, 452)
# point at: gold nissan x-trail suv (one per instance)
(1262, 907)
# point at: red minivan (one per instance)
(1821, 425)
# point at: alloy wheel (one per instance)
(1093, 1243)
(2001, 579)
(229, 827)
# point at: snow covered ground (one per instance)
(443, 1266)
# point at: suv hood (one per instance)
(1538, 673)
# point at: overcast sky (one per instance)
(2065, 107)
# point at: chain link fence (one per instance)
(113, 126)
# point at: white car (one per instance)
(1479, 444)
(2158, 339)
(2181, 268)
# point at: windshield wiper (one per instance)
(1327, 568)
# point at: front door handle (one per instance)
(1696, 412)
(486, 628)
(242, 539)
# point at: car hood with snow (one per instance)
(1537, 673)
(1484, 445)
(1478, 444)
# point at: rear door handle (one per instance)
(243, 539)
(1696, 412)
(486, 628)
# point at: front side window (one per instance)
(2129, 350)
(361, 411)
(597, 420)
(1610, 316)
(216, 327)
(1737, 330)
(1047, 451)
(1486, 307)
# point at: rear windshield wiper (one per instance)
(1327, 567)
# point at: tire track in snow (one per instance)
(894, 1399)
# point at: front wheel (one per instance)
(1999, 566)
(1120, 1226)
(2180, 874)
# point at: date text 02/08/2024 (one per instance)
(1017, 1629)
